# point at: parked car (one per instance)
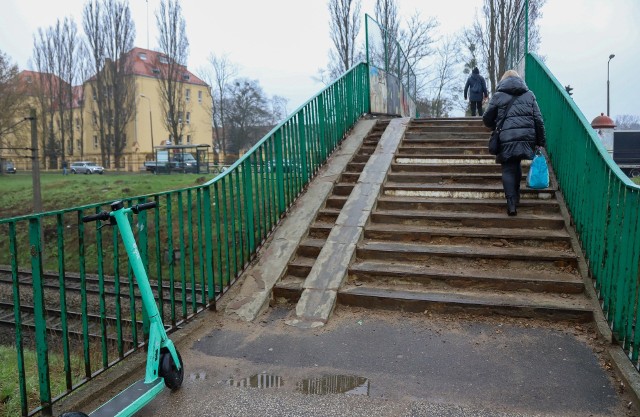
(180, 162)
(8, 167)
(85, 167)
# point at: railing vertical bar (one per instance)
(83, 297)
(171, 258)
(64, 327)
(248, 205)
(192, 269)
(156, 219)
(39, 312)
(203, 286)
(219, 235)
(118, 306)
(17, 317)
(208, 244)
(101, 295)
(183, 266)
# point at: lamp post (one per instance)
(150, 120)
(610, 58)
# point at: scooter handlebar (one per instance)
(141, 207)
(103, 215)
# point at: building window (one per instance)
(95, 119)
(78, 144)
(188, 138)
(77, 123)
(188, 118)
(163, 60)
(142, 56)
(187, 94)
(186, 76)
(156, 71)
(95, 141)
(199, 96)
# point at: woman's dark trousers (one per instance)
(511, 178)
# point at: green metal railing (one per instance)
(70, 289)
(384, 52)
(604, 204)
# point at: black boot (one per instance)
(511, 206)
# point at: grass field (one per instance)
(60, 192)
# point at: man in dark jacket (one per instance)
(522, 131)
(477, 88)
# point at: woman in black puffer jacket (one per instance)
(522, 131)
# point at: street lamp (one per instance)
(150, 120)
(610, 58)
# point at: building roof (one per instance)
(148, 63)
(602, 122)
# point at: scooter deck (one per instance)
(130, 400)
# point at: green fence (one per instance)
(604, 204)
(70, 306)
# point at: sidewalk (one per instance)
(403, 364)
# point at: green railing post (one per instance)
(279, 172)
(22, 380)
(303, 147)
(248, 203)
(208, 244)
(42, 349)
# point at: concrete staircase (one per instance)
(439, 238)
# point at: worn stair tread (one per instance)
(462, 201)
(464, 215)
(496, 232)
(315, 242)
(401, 269)
(302, 261)
(461, 187)
(477, 298)
(487, 252)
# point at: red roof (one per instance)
(602, 121)
(145, 61)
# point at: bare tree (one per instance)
(445, 83)
(628, 122)
(278, 109)
(223, 72)
(248, 117)
(45, 89)
(344, 26)
(11, 100)
(498, 25)
(417, 42)
(110, 32)
(174, 48)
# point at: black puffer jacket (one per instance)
(523, 129)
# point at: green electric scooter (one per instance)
(164, 364)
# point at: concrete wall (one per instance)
(388, 95)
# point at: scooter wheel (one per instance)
(73, 414)
(172, 376)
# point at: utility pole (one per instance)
(35, 164)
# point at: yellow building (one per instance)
(146, 127)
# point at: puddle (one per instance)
(334, 384)
(258, 381)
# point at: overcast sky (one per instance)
(283, 43)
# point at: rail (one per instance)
(603, 202)
(76, 311)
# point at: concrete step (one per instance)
(451, 278)
(446, 178)
(300, 266)
(480, 191)
(538, 306)
(310, 247)
(422, 218)
(343, 188)
(470, 168)
(320, 230)
(444, 158)
(350, 177)
(450, 135)
(488, 236)
(448, 121)
(469, 256)
(419, 140)
(336, 201)
(533, 206)
(456, 128)
(428, 151)
(327, 215)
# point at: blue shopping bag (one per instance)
(538, 177)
